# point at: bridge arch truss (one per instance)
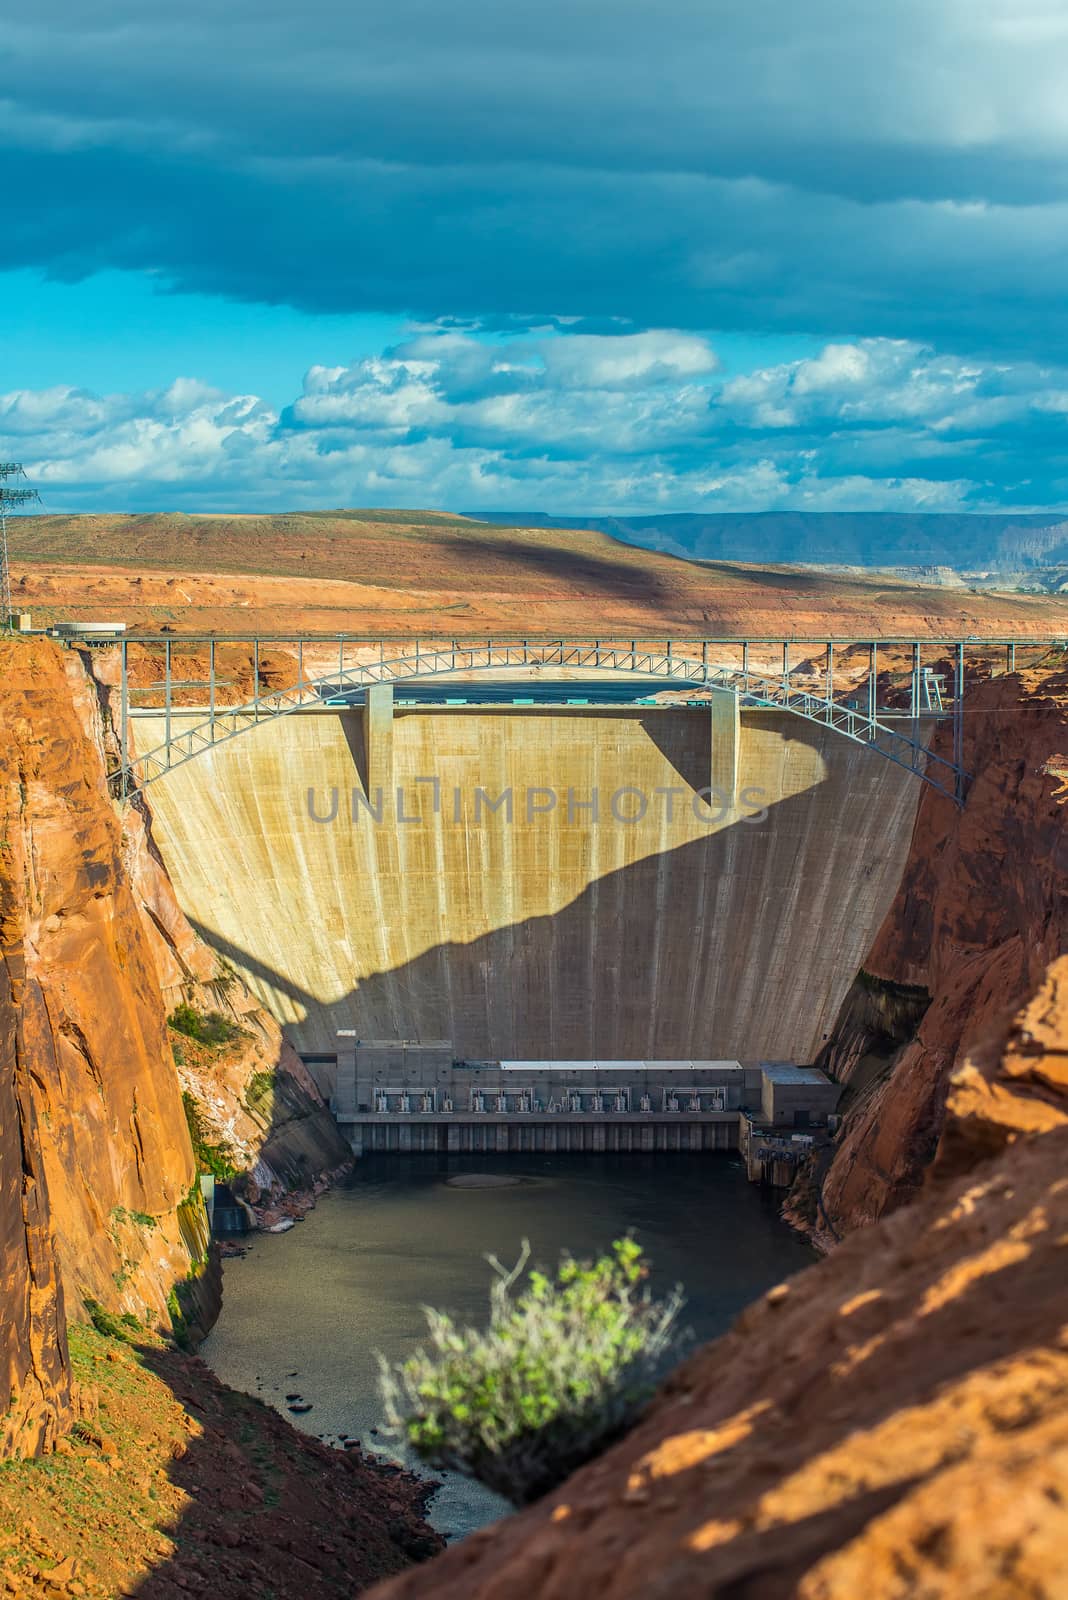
(902, 737)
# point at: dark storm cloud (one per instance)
(892, 170)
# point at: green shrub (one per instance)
(140, 1219)
(213, 1029)
(562, 1370)
(109, 1324)
(218, 1159)
(259, 1088)
(178, 1323)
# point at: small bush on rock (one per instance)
(213, 1029)
(218, 1159)
(562, 1370)
(258, 1090)
(122, 1325)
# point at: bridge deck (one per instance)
(820, 688)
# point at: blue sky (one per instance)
(603, 255)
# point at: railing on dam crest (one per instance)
(837, 684)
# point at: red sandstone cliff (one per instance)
(280, 1135)
(254, 1097)
(98, 1171)
(34, 1363)
(99, 1192)
(981, 912)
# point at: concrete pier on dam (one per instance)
(690, 931)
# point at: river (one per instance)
(351, 1280)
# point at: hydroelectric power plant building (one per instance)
(416, 1097)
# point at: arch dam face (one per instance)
(695, 931)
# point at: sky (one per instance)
(601, 256)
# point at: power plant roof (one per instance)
(620, 1066)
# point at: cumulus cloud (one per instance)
(884, 383)
(893, 170)
(567, 424)
(79, 443)
(635, 360)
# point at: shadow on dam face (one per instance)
(553, 936)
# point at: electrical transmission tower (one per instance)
(12, 493)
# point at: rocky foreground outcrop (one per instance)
(100, 1199)
(891, 1423)
(173, 1484)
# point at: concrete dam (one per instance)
(662, 928)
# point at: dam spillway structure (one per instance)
(689, 872)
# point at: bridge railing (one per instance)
(846, 700)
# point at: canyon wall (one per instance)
(101, 1194)
(895, 1420)
(255, 1101)
(546, 935)
(35, 1370)
(99, 1191)
(981, 912)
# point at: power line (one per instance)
(12, 493)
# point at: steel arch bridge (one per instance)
(692, 664)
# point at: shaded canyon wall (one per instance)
(981, 912)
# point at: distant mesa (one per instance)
(963, 541)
